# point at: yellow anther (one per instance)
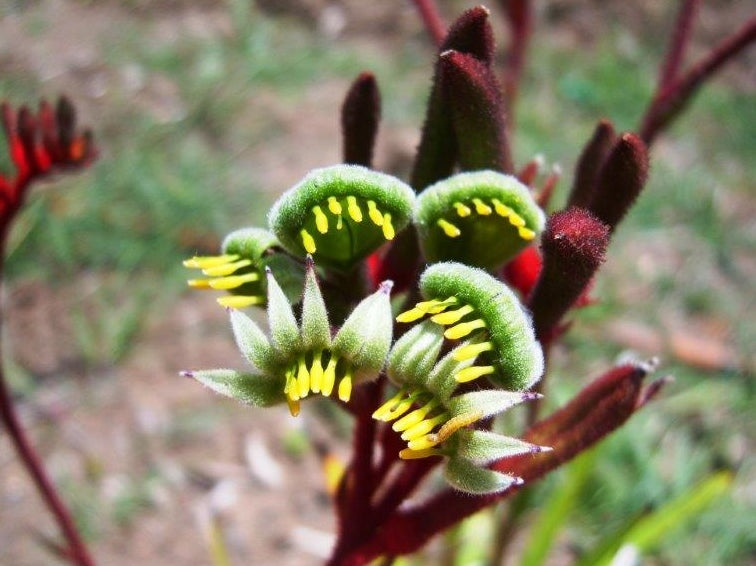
(407, 316)
(473, 372)
(526, 233)
(307, 241)
(462, 209)
(199, 283)
(329, 377)
(345, 386)
(388, 227)
(451, 317)
(203, 262)
(226, 269)
(290, 388)
(449, 229)
(516, 220)
(316, 372)
(334, 206)
(239, 301)
(481, 207)
(293, 406)
(303, 379)
(455, 423)
(400, 409)
(374, 214)
(388, 406)
(463, 329)
(423, 427)
(501, 209)
(472, 351)
(435, 306)
(354, 209)
(415, 416)
(233, 281)
(409, 454)
(321, 220)
(423, 443)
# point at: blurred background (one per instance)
(205, 111)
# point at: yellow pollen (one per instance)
(316, 372)
(423, 443)
(409, 454)
(321, 220)
(423, 427)
(239, 301)
(334, 206)
(303, 379)
(414, 417)
(482, 208)
(455, 423)
(462, 209)
(345, 386)
(516, 220)
(199, 283)
(473, 372)
(451, 317)
(526, 233)
(449, 229)
(472, 350)
(307, 241)
(463, 329)
(226, 269)
(501, 209)
(203, 262)
(388, 227)
(329, 377)
(388, 406)
(293, 406)
(374, 214)
(354, 209)
(233, 281)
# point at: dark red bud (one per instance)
(471, 33)
(360, 115)
(591, 160)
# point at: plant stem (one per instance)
(432, 19)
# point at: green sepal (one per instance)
(249, 388)
(517, 356)
(465, 476)
(486, 403)
(365, 337)
(290, 273)
(413, 356)
(483, 447)
(283, 325)
(486, 241)
(251, 242)
(316, 330)
(252, 342)
(340, 248)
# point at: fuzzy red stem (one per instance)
(432, 19)
(520, 19)
(679, 42)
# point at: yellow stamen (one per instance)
(199, 283)
(233, 281)
(526, 233)
(374, 214)
(423, 427)
(473, 372)
(482, 208)
(303, 379)
(407, 316)
(316, 372)
(203, 262)
(451, 317)
(321, 220)
(329, 377)
(334, 206)
(411, 419)
(339, 222)
(455, 423)
(501, 209)
(463, 329)
(472, 350)
(239, 301)
(409, 454)
(226, 269)
(388, 227)
(293, 406)
(400, 409)
(290, 388)
(462, 209)
(345, 386)
(435, 306)
(449, 229)
(307, 241)
(354, 209)
(516, 220)
(388, 406)
(423, 443)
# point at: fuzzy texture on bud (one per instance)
(360, 115)
(589, 164)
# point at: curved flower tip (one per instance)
(482, 218)
(341, 214)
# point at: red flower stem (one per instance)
(77, 550)
(679, 43)
(432, 19)
(520, 20)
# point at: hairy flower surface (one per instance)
(300, 358)
(341, 214)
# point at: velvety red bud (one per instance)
(591, 160)
(471, 33)
(573, 247)
(360, 115)
(620, 180)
